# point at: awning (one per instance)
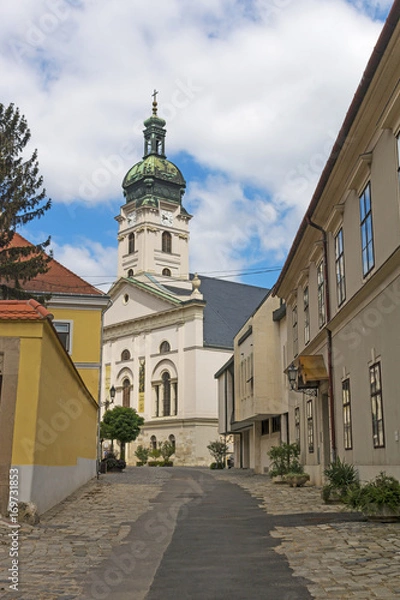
(312, 368)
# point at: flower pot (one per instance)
(297, 480)
(381, 513)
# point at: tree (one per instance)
(22, 198)
(123, 424)
(218, 450)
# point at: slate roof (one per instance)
(228, 305)
(57, 280)
(26, 310)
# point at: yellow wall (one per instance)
(86, 342)
(56, 418)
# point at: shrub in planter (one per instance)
(113, 463)
(154, 463)
(341, 476)
(167, 449)
(284, 459)
(296, 479)
(218, 450)
(379, 499)
(142, 454)
(166, 463)
(217, 465)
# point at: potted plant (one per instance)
(167, 449)
(378, 499)
(154, 454)
(218, 451)
(284, 459)
(341, 476)
(296, 477)
(142, 454)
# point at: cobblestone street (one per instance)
(86, 547)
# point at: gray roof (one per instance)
(228, 306)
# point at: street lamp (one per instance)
(293, 378)
(107, 403)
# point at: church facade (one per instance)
(167, 332)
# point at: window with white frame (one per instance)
(306, 307)
(375, 380)
(398, 155)
(339, 268)
(64, 332)
(310, 425)
(367, 237)
(297, 425)
(321, 294)
(295, 333)
(347, 426)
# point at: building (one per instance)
(77, 308)
(48, 418)
(253, 390)
(341, 284)
(167, 331)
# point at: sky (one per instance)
(253, 91)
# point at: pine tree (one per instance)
(22, 198)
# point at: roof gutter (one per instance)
(370, 70)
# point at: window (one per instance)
(166, 272)
(131, 243)
(321, 294)
(306, 305)
(276, 424)
(166, 242)
(172, 441)
(377, 405)
(339, 266)
(153, 442)
(64, 329)
(367, 240)
(295, 332)
(265, 427)
(398, 155)
(126, 392)
(130, 273)
(125, 355)
(165, 347)
(297, 425)
(347, 429)
(310, 426)
(166, 383)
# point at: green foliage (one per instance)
(113, 462)
(215, 465)
(155, 453)
(167, 450)
(22, 198)
(341, 476)
(142, 454)
(122, 423)
(218, 450)
(284, 459)
(383, 491)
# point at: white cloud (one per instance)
(255, 90)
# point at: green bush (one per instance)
(142, 454)
(383, 491)
(284, 459)
(341, 477)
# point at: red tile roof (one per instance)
(58, 279)
(26, 310)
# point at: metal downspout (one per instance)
(329, 335)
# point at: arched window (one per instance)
(125, 355)
(165, 347)
(171, 439)
(166, 383)
(166, 242)
(131, 243)
(153, 442)
(166, 272)
(130, 273)
(126, 392)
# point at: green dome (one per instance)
(154, 166)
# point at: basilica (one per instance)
(167, 331)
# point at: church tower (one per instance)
(153, 230)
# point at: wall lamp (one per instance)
(111, 393)
(293, 377)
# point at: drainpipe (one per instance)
(329, 334)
